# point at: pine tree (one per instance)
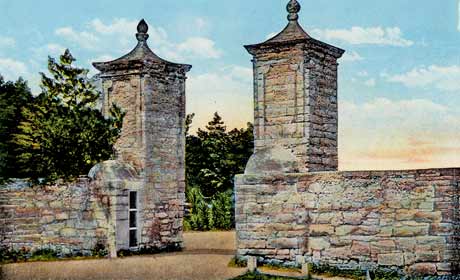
(214, 156)
(62, 134)
(13, 97)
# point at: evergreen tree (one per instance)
(13, 97)
(62, 134)
(214, 156)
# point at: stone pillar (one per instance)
(295, 95)
(151, 91)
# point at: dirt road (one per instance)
(206, 256)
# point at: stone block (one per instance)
(256, 244)
(383, 246)
(282, 243)
(252, 263)
(62, 216)
(423, 269)
(344, 230)
(321, 230)
(318, 243)
(47, 219)
(353, 218)
(56, 204)
(393, 259)
(360, 248)
(426, 256)
(410, 230)
(68, 232)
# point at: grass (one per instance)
(259, 276)
(321, 270)
(356, 274)
(150, 251)
(46, 255)
(280, 268)
(237, 263)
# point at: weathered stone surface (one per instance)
(396, 259)
(343, 232)
(423, 269)
(151, 91)
(318, 243)
(150, 160)
(272, 160)
(399, 219)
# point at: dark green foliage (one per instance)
(214, 213)
(213, 157)
(222, 210)
(358, 274)
(334, 271)
(62, 133)
(13, 97)
(43, 255)
(200, 216)
(8, 255)
(171, 248)
(237, 262)
(99, 250)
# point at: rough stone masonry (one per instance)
(133, 202)
(293, 206)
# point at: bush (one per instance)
(10, 255)
(99, 250)
(214, 156)
(214, 213)
(43, 255)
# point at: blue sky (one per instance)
(399, 81)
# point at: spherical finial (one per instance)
(293, 7)
(142, 27)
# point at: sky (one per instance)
(399, 81)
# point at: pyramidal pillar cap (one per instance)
(293, 8)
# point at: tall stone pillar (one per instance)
(295, 95)
(151, 91)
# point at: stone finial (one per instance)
(293, 8)
(142, 29)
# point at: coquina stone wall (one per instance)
(71, 218)
(404, 220)
(68, 218)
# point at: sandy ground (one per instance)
(206, 256)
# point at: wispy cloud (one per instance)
(83, 39)
(440, 77)
(391, 36)
(199, 46)
(7, 42)
(227, 91)
(52, 49)
(362, 73)
(99, 36)
(391, 135)
(370, 82)
(351, 57)
(12, 69)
